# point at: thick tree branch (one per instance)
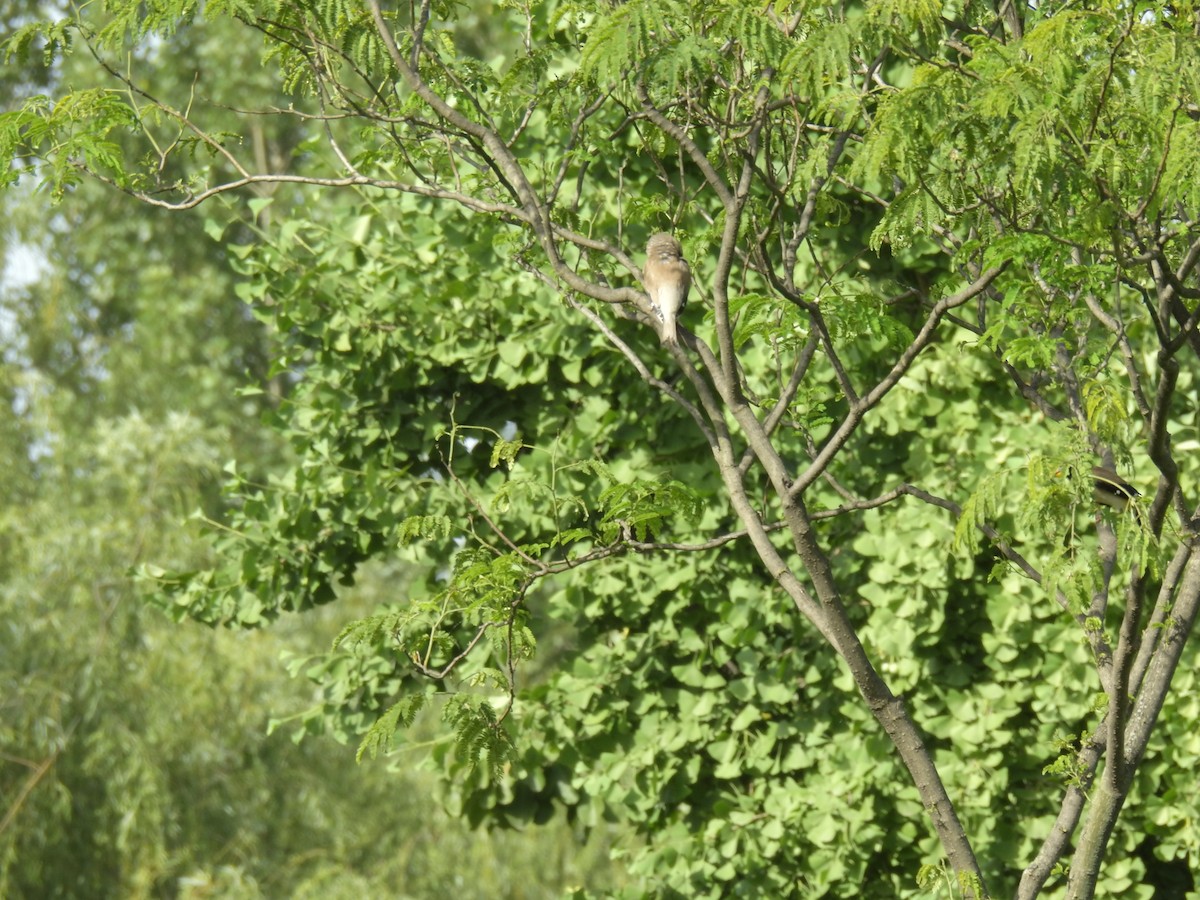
(1108, 800)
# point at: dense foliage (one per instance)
(817, 602)
(137, 756)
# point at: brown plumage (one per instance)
(667, 277)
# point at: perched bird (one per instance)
(1111, 489)
(667, 277)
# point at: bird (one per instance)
(1111, 490)
(667, 277)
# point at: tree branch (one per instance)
(859, 410)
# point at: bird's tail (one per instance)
(669, 334)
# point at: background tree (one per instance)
(946, 264)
